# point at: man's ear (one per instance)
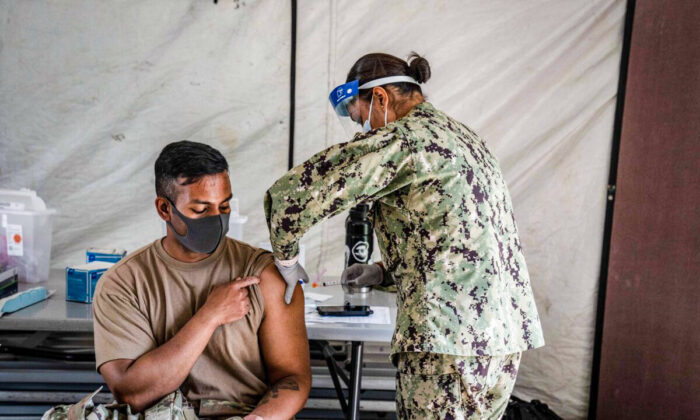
(163, 207)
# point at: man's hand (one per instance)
(291, 272)
(229, 302)
(359, 275)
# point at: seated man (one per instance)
(200, 312)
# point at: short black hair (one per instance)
(187, 159)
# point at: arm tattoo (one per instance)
(274, 392)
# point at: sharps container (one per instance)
(25, 234)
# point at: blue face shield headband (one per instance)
(344, 102)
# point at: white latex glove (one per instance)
(359, 275)
(291, 272)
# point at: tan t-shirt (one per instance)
(144, 300)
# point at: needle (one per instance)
(325, 283)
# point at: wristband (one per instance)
(287, 263)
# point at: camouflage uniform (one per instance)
(439, 386)
(173, 406)
(444, 222)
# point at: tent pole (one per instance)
(607, 231)
(292, 84)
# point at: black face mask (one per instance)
(204, 234)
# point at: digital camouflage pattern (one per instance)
(173, 406)
(445, 226)
(219, 408)
(439, 386)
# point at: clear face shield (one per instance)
(345, 103)
(344, 100)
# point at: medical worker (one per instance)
(445, 227)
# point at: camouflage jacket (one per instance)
(444, 224)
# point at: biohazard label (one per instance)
(15, 240)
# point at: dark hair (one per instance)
(376, 65)
(187, 159)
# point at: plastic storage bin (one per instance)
(25, 234)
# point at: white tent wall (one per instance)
(90, 92)
(538, 81)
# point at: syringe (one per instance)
(325, 283)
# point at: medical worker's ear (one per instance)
(380, 97)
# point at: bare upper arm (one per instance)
(282, 334)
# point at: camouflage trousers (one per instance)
(442, 386)
(173, 406)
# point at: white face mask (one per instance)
(367, 126)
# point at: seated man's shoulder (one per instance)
(272, 288)
(252, 260)
(246, 250)
(271, 283)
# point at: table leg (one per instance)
(335, 372)
(355, 379)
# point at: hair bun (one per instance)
(418, 68)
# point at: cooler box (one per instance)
(25, 234)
